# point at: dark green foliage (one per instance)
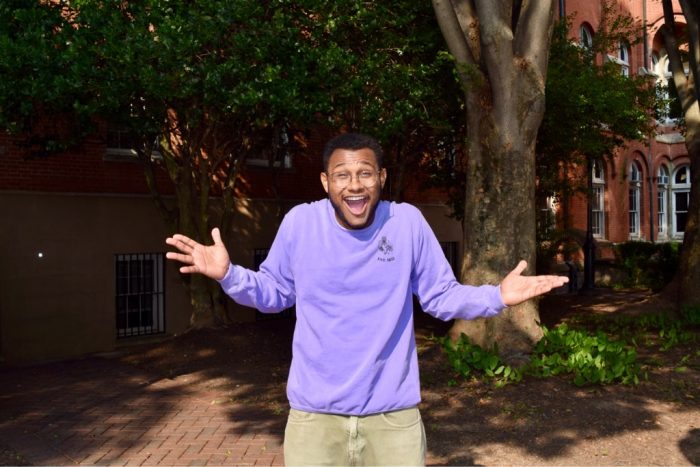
(590, 358)
(472, 360)
(647, 265)
(595, 349)
(663, 328)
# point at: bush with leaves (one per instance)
(590, 358)
(473, 360)
(646, 264)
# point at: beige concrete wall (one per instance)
(255, 225)
(446, 228)
(62, 304)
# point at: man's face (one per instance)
(354, 184)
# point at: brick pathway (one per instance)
(99, 411)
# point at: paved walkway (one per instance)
(100, 411)
(104, 411)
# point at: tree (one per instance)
(201, 86)
(399, 82)
(683, 48)
(501, 52)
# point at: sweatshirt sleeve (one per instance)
(437, 289)
(271, 289)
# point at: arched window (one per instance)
(586, 37)
(680, 197)
(598, 200)
(662, 201)
(623, 56)
(635, 200)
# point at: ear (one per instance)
(382, 177)
(324, 181)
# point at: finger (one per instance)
(519, 268)
(179, 257)
(180, 239)
(189, 269)
(216, 236)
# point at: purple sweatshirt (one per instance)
(354, 350)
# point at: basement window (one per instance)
(140, 294)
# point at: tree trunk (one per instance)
(501, 50)
(684, 288)
(689, 267)
(193, 220)
(499, 227)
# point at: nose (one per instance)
(355, 184)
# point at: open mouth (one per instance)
(356, 204)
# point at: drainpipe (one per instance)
(562, 8)
(650, 160)
(589, 244)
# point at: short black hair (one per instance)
(354, 142)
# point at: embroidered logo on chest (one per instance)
(387, 249)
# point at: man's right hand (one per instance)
(212, 261)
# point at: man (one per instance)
(352, 264)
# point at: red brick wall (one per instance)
(83, 170)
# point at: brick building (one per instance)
(643, 193)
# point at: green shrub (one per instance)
(690, 315)
(588, 352)
(648, 265)
(590, 358)
(471, 360)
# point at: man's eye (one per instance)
(366, 174)
(342, 176)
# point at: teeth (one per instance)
(354, 198)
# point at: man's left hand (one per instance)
(516, 288)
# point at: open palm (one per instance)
(516, 288)
(210, 260)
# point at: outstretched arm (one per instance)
(209, 260)
(516, 288)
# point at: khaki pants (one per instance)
(390, 438)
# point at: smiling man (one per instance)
(353, 179)
(352, 264)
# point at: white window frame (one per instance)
(680, 187)
(622, 59)
(623, 55)
(635, 200)
(598, 200)
(662, 201)
(585, 37)
(285, 163)
(125, 151)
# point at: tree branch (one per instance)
(452, 32)
(533, 33)
(497, 57)
(691, 11)
(668, 32)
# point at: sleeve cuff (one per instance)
(230, 276)
(499, 299)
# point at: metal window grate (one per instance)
(140, 294)
(259, 255)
